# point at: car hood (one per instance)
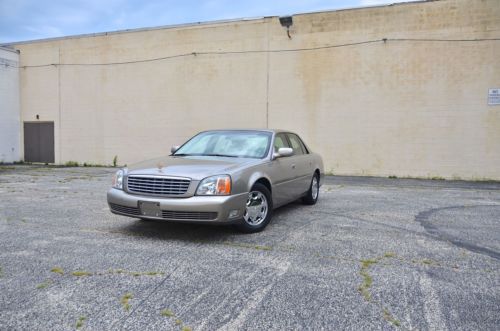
(195, 167)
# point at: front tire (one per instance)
(258, 211)
(312, 195)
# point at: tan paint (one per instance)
(10, 115)
(397, 108)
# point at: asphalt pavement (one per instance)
(374, 253)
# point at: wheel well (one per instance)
(264, 182)
(316, 172)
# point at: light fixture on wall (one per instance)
(287, 21)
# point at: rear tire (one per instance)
(259, 210)
(312, 195)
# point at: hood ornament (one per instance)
(160, 166)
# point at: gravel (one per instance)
(374, 253)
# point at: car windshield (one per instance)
(251, 144)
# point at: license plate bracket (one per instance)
(151, 209)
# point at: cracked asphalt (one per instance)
(374, 253)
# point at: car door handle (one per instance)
(293, 166)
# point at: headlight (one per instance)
(215, 185)
(118, 180)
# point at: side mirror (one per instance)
(283, 152)
(174, 149)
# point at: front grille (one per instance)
(189, 215)
(125, 209)
(157, 185)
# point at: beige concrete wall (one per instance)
(404, 108)
(10, 125)
(401, 108)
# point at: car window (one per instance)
(297, 146)
(248, 146)
(252, 144)
(280, 141)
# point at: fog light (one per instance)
(233, 213)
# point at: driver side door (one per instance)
(282, 173)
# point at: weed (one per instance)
(437, 178)
(44, 284)
(81, 273)
(367, 283)
(146, 273)
(167, 313)
(71, 164)
(365, 264)
(429, 262)
(115, 161)
(244, 245)
(388, 317)
(367, 279)
(125, 301)
(94, 165)
(170, 314)
(80, 321)
(393, 176)
(153, 273)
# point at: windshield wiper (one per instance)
(182, 154)
(223, 155)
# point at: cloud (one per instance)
(43, 30)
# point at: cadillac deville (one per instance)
(221, 177)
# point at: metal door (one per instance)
(39, 142)
(283, 173)
(303, 164)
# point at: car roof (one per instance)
(261, 130)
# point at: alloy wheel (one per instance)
(256, 208)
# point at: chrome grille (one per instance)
(157, 185)
(124, 209)
(168, 214)
(188, 215)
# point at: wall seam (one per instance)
(267, 75)
(59, 104)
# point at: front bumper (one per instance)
(203, 209)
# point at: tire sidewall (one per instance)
(309, 197)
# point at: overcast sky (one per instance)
(36, 19)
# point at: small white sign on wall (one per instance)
(494, 96)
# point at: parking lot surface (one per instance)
(372, 254)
